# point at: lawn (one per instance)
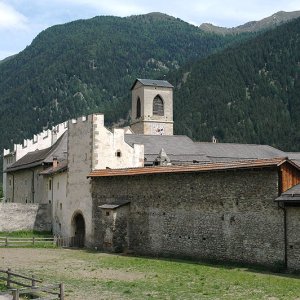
(26, 234)
(95, 275)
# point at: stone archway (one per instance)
(78, 225)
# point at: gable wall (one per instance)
(290, 176)
(26, 186)
(218, 215)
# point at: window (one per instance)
(118, 153)
(60, 205)
(50, 184)
(58, 185)
(158, 106)
(138, 108)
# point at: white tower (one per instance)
(152, 107)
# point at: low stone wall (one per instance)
(18, 216)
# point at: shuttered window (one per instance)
(158, 106)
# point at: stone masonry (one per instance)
(228, 216)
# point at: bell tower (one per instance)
(152, 107)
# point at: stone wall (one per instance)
(293, 237)
(215, 215)
(18, 216)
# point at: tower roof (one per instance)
(150, 82)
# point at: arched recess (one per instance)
(158, 106)
(138, 108)
(78, 227)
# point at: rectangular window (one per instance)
(50, 184)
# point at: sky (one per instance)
(22, 20)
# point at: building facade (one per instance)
(151, 192)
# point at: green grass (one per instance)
(122, 277)
(26, 234)
(2, 286)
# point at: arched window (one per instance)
(138, 108)
(158, 106)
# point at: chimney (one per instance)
(214, 140)
(55, 162)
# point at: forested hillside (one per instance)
(276, 19)
(89, 65)
(246, 94)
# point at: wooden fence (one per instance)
(73, 241)
(29, 286)
(21, 242)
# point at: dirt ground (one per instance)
(64, 265)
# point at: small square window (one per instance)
(107, 213)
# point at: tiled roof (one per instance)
(179, 148)
(38, 157)
(294, 156)
(61, 167)
(150, 82)
(218, 152)
(245, 164)
(113, 205)
(292, 195)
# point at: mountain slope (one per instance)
(89, 65)
(246, 94)
(267, 23)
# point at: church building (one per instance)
(145, 190)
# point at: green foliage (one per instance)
(1, 191)
(249, 93)
(26, 234)
(89, 65)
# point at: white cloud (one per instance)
(113, 7)
(10, 18)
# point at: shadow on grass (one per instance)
(275, 270)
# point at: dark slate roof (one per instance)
(222, 152)
(150, 82)
(179, 148)
(62, 167)
(292, 195)
(38, 157)
(295, 157)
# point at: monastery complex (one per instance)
(145, 190)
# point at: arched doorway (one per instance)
(78, 225)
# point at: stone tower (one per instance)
(152, 107)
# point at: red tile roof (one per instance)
(245, 164)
